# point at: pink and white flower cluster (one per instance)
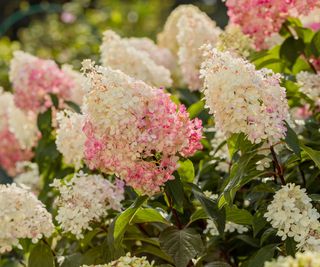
(135, 130)
(243, 99)
(262, 18)
(34, 79)
(18, 134)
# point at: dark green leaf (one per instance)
(239, 216)
(174, 190)
(41, 256)
(313, 154)
(290, 246)
(262, 255)
(315, 44)
(182, 245)
(292, 140)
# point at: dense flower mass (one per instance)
(120, 54)
(261, 18)
(84, 199)
(126, 261)
(186, 30)
(292, 214)
(70, 137)
(22, 215)
(306, 259)
(34, 79)
(134, 130)
(243, 99)
(309, 84)
(18, 133)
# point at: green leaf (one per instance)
(290, 246)
(217, 264)
(210, 206)
(291, 49)
(239, 216)
(74, 260)
(293, 141)
(186, 171)
(146, 248)
(315, 197)
(313, 154)
(41, 256)
(182, 245)
(174, 189)
(199, 214)
(195, 109)
(258, 223)
(144, 215)
(262, 255)
(315, 44)
(121, 222)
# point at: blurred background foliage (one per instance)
(70, 31)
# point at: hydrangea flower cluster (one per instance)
(70, 137)
(85, 199)
(34, 79)
(133, 60)
(261, 18)
(292, 214)
(22, 215)
(126, 261)
(308, 258)
(186, 30)
(134, 130)
(242, 98)
(232, 39)
(309, 84)
(18, 133)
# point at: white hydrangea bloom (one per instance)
(70, 138)
(84, 199)
(309, 84)
(118, 54)
(306, 259)
(312, 18)
(126, 261)
(23, 125)
(243, 99)
(160, 55)
(194, 30)
(28, 176)
(78, 90)
(22, 215)
(232, 39)
(292, 214)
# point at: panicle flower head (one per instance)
(306, 259)
(134, 130)
(186, 30)
(70, 137)
(126, 261)
(309, 84)
(160, 55)
(34, 79)
(118, 53)
(22, 215)
(85, 199)
(242, 98)
(261, 18)
(18, 132)
(292, 214)
(232, 39)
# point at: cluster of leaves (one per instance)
(169, 228)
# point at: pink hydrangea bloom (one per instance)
(261, 18)
(11, 152)
(34, 79)
(135, 130)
